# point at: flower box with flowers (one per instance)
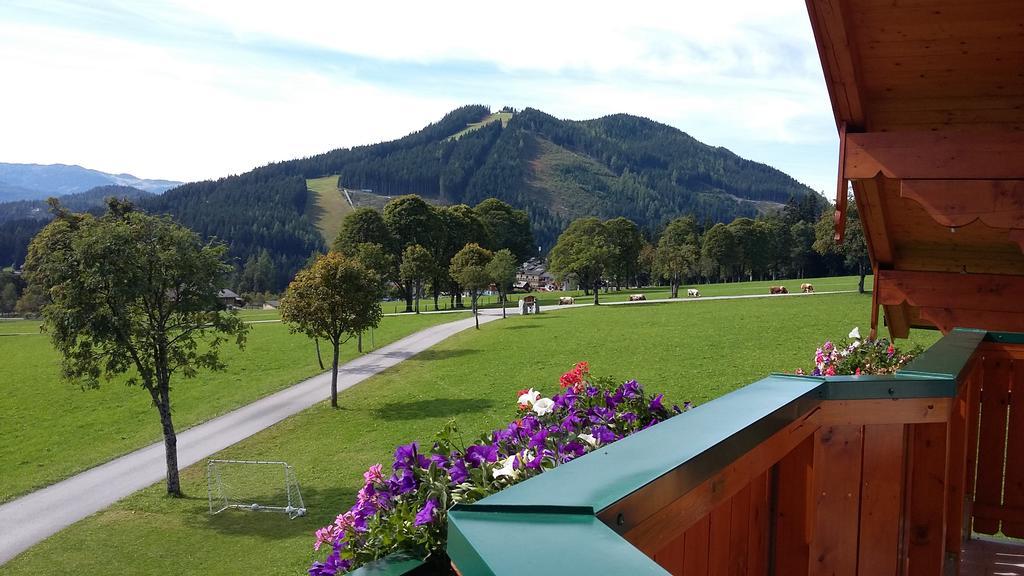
(859, 356)
(403, 509)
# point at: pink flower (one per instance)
(830, 371)
(326, 535)
(799, 371)
(856, 372)
(374, 474)
(345, 522)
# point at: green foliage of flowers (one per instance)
(857, 356)
(405, 509)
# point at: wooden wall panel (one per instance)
(1013, 496)
(698, 541)
(760, 526)
(718, 555)
(671, 557)
(992, 439)
(926, 508)
(836, 489)
(881, 496)
(792, 518)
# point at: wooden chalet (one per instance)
(918, 473)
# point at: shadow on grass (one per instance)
(433, 407)
(432, 354)
(322, 506)
(522, 326)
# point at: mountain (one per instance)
(39, 181)
(556, 170)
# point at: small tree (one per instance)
(129, 293)
(853, 250)
(502, 270)
(417, 266)
(335, 299)
(678, 251)
(469, 269)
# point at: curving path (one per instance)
(27, 520)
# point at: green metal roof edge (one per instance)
(1005, 337)
(397, 564)
(485, 543)
(947, 357)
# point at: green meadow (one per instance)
(695, 351)
(52, 429)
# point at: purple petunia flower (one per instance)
(402, 483)
(458, 472)
(405, 456)
(604, 434)
(537, 440)
(477, 454)
(628, 417)
(655, 405)
(426, 514)
(631, 389)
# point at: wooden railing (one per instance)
(869, 476)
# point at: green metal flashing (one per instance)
(947, 357)
(512, 544)
(1005, 337)
(398, 564)
(889, 386)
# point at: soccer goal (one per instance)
(253, 485)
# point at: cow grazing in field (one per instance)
(637, 297)
(693, 292)
(778, 290)
(807, 288)
(562, 301)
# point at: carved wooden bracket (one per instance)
(955, 203)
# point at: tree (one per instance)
(459, 226)
(335, 299)
(129, 293)
(363, 226)
(506, 228)
(583, 251)
(853, 250)
(678, 251)
(469, 269)
(626, 241)
(417, 266)
(719, 252)
(378, 260)
(647, 262)
(502, 271)
(410, 220)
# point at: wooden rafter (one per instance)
(935, 155)
(838, 55)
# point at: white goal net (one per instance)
(253, 485)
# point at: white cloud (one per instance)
(201, 89)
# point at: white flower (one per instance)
(589, 439)
(529, 397)
(507, 468)
(544, 406)
(855, 333)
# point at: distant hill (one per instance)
(556, 170)
(22, 219)
(40, 181)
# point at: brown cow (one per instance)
(637, 297)
(566, 300)
(807, 288)
(777, 290)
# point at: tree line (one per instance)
(794, 243)
(412, 244)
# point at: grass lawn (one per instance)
(51, 429)
(690, 352)
(327, 206)
(832, 284)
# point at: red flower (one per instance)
(857, 372)
(830, 371)
(570, 378)
(582, 368)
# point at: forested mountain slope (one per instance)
(556, 170)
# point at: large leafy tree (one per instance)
(507, 228)
(854, 248)
(469, 269)
(335, 298)
(678, 251)
(130, 293)
(363, 226)
(719, 252)
(459, 226)
(583, 251)
(417, 266)
(626, 241)
(502, 270)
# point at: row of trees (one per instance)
(412, 244)
(797, 242)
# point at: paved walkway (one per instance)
(37, 515)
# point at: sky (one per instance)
(198, 89)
